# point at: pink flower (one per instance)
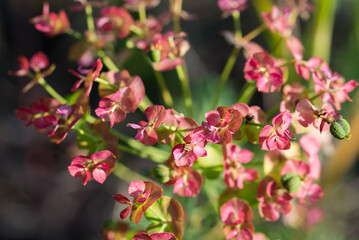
(292, 93)
(146, 133)
(261, 66)
(305, 68)
(50, 23)
(98, 166)
(272, 200)
(134, 4)
(115, 18)
(41, 114)
(276, 136)
(235, 212)
(91, 75)
(188, 183)
(39, 64)
(237, 216)
(155, 236)
(311, 148)
(230, 6)
(122, 79)
(333, 86)
(307, 188)
(307, 114)
(113, 109)
(278, 21)
(174, 122)
(221, 124)
(186, 154)
(144, 195)
(168, 50)
(69, 116)
(234, 172)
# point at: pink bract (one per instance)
(155, 236)
(97, 166)
(91, 75)
(188, 184)
(50, 23)
(235, 212)
(278, 21)
(302, 169)
(261, 67)
(230, 6)
(145, 131)
(272, 200)
(115, 18)
(186, 154)
(276, 136)
(113, 109)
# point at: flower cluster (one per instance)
(223, 146)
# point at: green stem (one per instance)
(127, 174)
(183, 77)
(247, 92)
(177, 9)
(316, 96)
(254, 33)
(107, 61)
(89, 18)
(74, 33)
(288, 63)
(51, 91)
(166, 95)
(255, 124)
(107, 83)
(142, 12)
(225, 75)
(231, 60)
(237, 25)
(155, 206)
(144, 151)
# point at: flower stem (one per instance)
(126, 174)
(145, 103)
(247, 92)
(142, 12)
(166, 95)
(254, 33)
(107, 61)
(231, 60)
(137, 148)
(183, 77)
(51, 91)
(225, 75)
(74, 33)
(316, 96)
(89, 18)
(255, 124)
(107, 83)
(176, 11)
(288, 63)
(237, 25)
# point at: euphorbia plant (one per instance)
(227, 140)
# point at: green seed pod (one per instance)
(162, 173)
(291, 182)
(340, 129)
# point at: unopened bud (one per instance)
(291, 182)
(162, 173)
(340, 129)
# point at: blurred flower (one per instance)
(98, 166)
(50, 23)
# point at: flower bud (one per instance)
(291, 182)
(162, 173)
(340, 129)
